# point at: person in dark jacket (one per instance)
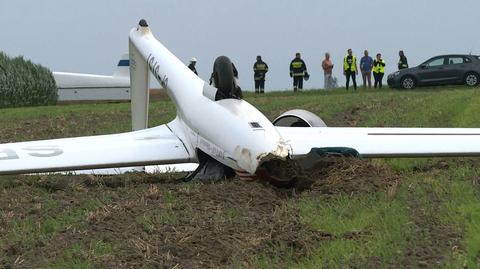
(298, 70)
(402, 63)
(192, 64)
(260, 68)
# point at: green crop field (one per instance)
(395, 213)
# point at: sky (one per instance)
(89, 36)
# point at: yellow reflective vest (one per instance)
(350, 66)
(379, 66)
(298, 68)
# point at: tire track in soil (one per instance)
(433, 238)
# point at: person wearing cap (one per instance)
(260, 68)
(192, 64)
(298, 71)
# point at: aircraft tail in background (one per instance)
(90, 87)
(123, 65)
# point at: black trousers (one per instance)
(259, 86)
(378, 79)
(353, 75)
(297, 83)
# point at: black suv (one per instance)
(439, 70)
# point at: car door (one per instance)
(433, 71)
(457, 67)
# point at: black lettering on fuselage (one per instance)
(154, 67)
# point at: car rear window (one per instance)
(456, 60)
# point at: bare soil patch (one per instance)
(160, 221)
(152, 221)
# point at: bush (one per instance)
(23, 83)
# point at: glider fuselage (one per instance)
(231, 131)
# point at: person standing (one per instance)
(378, 70)
(366, 65)
(402, 63)
(260, 68)
(298, 70)
(327, 66)
(192, 64)
(350, 68)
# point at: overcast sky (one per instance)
(89, 36)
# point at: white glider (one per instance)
(214, 123)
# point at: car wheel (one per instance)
(471, 79)
(407, 82)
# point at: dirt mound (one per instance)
(351, 176)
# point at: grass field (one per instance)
(397, 213)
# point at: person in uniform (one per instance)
(260, 68)
(378, 70)
(298, 71)
(350, 69)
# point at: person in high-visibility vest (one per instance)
(298, 70)
(350, 69)
(260, 68)
(402, 62)
(378, 70)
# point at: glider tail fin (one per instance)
(123, 65)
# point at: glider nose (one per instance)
(251, 159)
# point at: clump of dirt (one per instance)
(330, 175)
